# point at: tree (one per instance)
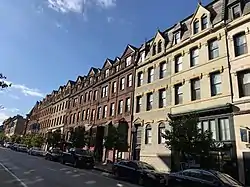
(79, 137)
(186, 139)
(3, 85)
(27, 140)
(37, 140)
(2, 136)
(54, 138)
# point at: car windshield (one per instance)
(81, 152)
(56, 151)
(227, 179)
(145, 165)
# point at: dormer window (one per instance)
(154, 50)
(196, 26)
(159, 46)
(177, 37)
(117, 68)
(142, 57)
(204, 22)
(128, 61)
(106, 73)
(91, 79)
(236, 11)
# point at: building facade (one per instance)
(14, 126)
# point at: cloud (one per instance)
(24, 90)
(78, 6)
(14, 96)
(5, 113)
(110, 19)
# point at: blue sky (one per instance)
(44, 43)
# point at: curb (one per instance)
(103, 170)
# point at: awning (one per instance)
(217, 109)
(106, 124)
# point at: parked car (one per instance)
(14, 146)
(139, 172)
(200, 178)
(78, 158)
(22, 148)
(36, 151)
(7, 144)
(54, 154)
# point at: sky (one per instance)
(45, 43)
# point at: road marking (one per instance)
(13, 175)
(51, 169)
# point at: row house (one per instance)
(198, 65)
(14, 126)
(104, 97)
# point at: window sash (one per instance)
(215, 84)
(177, 37)
(128, 61)
(236, 11)
(162, 98)
(204, 22)
(243, 135)
(163, 70)
(224, 129)
(196, 27)
(129, 80)
(112, 109)
(178, 64)
(149, 101)
(161, 139)
(148, 139)
(120, 107)
(122, 83)
(213, 49)
(150, 75)
(138, 104)
(213, 129)
(194, 57)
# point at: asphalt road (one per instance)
(22, 170)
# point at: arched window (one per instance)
(154, 50)
(148, 134)
(204, 22)
(159, 46)
(161, 130)
(196, 26)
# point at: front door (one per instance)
(246, 159)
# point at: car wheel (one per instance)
(62, 161)
(116, 174)
(75, 164)
(140, 181)
(46, 157)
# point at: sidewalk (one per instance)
(104, 167)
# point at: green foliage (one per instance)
(54, 138)
(3, 84)
(37, 140)
(79, 137)
(185, 138)
(27, 140)
(2, 136)
(15, 139)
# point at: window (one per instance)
(90, 95)
(159, 46)
(163, 70)
(128, 61)
(139, 79)
(150, 74)
(224, 129)
(117, 68)
(236, 11)
(240, 44)
(128, 105)
(244, 83)
(149, 101)
(87, 116)
(215, 79)
(93, 115)
(148, 134)
(154, 50)
(99, 112)
(122, 83)
(112, 109)
(142, 57)
(114, 87)
(138, 104)
(129, 80)
(81, 99)
(106, 73)
(86, 97)
(213, 129)
(194, 56)
(195, 89)
(205, 125)
(105, 91)
(105, 110)
(178, 63)
(177, 37)
(243, 135)
(213, 49)
(74, 118)
(178, 94)
(120, 107)
(196, 26)
(83, 114)
(204, 22)
(162, 98)
(95, 95)
(78, 117)
(161, 131)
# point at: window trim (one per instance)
(193, 89)
(160, 127)
(176, 93)
(196, 23)
(149, 106)
(235, 36)
(210, 57)
(212, 85)
(178, 56)
(147, 129)
(203, 17)
(193, 57)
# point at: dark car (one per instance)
(201, 178)
(22, 148)
(139, 172)
(78, 158)
(54, 154)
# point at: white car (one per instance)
(36, 151)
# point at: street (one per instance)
(22, 170)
